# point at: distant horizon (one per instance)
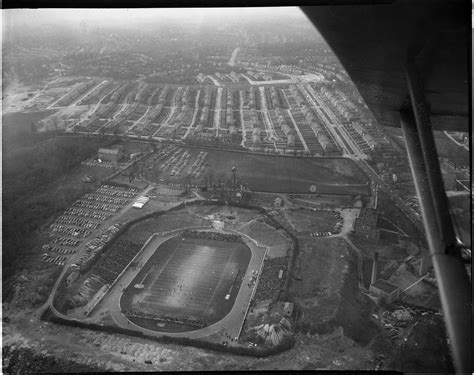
(131, 17)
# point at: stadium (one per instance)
(191, 280)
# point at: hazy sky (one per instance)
(122, 17)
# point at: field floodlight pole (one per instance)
(233, 175)
(453, 282)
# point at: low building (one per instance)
(385, 290)
(140, 202)
(110, 154)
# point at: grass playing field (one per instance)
(187, 278)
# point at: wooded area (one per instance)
(37, 187)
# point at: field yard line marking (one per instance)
(123, 272)
(119, 317)
(217, 285)
(162, 268)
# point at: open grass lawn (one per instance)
(286, 174)
(311, 221)
(278, 174)
(187, 278)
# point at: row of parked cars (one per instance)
(87, 213)
(73, 220)
(58, 249)
(320, 234)
(58, 260)
(96, 206)
(198, 167)
(64, 241)
(106, 199)
(94, 246)
(70, 231)
(181, 163)
(118, 192)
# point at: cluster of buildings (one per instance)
(76, 93)
(296, 118)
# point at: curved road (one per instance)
(233, 57)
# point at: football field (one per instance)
(189, 278)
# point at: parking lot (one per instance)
(86, 216)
